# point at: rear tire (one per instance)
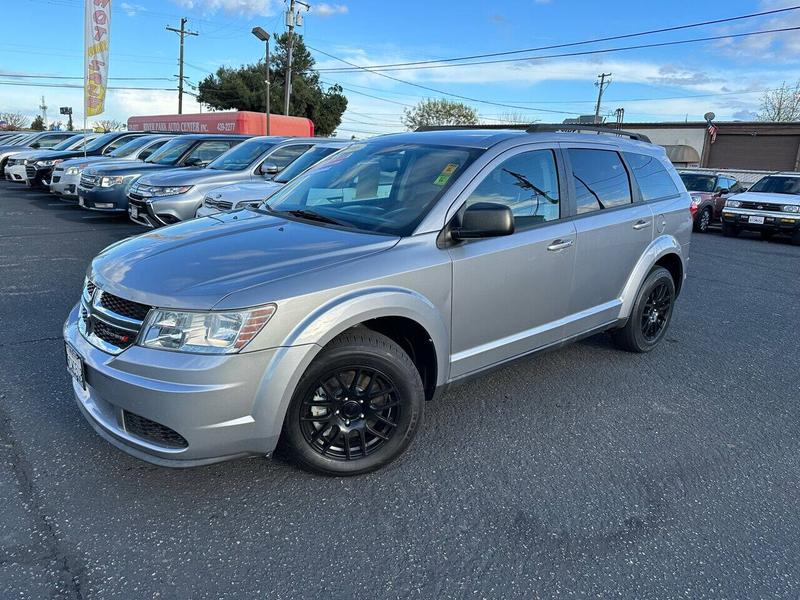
(729, 230)
(356, 408)
(651, 314)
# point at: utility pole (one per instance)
(292, 18)
(43, 108)
(182, 32)
(601, 86)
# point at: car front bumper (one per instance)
(775, 222)
(16, 173)
(65, 185)
(108, 199)
(157, 211)
(223, 406)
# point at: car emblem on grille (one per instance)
(760, 207)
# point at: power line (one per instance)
(597, 40)
(379, 70)
(31, 76)
(80, 86)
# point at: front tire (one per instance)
(356, 408)
(729, 230)
(651, 314)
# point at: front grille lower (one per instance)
(218, 204)
(126, 308)
(152, 431)
(121, 338)
(56, 179)
(762, 206)
(30, 171)
(88, 181)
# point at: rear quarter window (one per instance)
(653, 179)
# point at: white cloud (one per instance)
(131, 9)
(328, 10)
(245, 8)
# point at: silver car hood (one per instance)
(197, 263)
(767, 197)
(239, 192)
(192, 176)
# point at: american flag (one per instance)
(712, 131)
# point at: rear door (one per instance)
(613, 226)
(511, 293)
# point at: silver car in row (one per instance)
(171, 196)
(367, 286)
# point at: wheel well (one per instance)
(417, 343)
(672, 263)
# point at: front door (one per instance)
(510, 293)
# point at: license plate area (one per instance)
(756, 220)
(75, 365)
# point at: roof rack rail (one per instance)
(522, 126)
(541, 127)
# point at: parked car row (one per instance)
(160, 178)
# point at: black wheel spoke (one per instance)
(359, 416)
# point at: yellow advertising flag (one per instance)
(97, 31)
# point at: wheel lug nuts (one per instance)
(337, 412)
(347, 422)
(361, 402)
(361, 416)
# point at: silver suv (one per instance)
(368, 285)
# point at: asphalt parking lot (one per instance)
(582, 472)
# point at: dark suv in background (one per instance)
(708, 192)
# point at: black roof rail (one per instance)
(569, 127)
(459, 127)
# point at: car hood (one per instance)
(13, 148)
(119, 166)
(35, 154)
(767, 198)
(239, 192)
(193, 176)
(198, 263)
(67, 154)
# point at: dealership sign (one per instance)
(97, 28)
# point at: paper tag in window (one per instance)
(444, 176)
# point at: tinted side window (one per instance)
(48, 141)
(208, 151)
(601, 180)
(283, 157)
(120, 141)
(653, 179)
(152, 148)
(527, 183)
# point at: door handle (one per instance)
(559, 245)
(641, 224)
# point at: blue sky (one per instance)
(656, 84)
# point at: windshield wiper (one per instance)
(311, 215)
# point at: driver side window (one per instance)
(527, 183)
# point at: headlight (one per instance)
(107, 182)
(72, 170)
(791, 208)
(170, 191)
(48, 163)
(204, 332)
(732, 203)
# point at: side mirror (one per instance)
(36, 145)
(723, 191)
(269, 169)
(195, 162)
(483, 220)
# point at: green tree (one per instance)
(38, 123)
(243, 88)
(435, 111)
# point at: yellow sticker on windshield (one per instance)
(444, 176)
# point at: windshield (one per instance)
(131, 147)
(775, 184)
(311, 157)
(67, 143)
(242, 156)
(101, 141)
(699, 183)
(170, 152)
(378, 187)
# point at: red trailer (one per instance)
(246, 122)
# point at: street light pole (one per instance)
(264, 37)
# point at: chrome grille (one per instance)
(30, 171)
(109, 322)
(762, 206)
(218, 204)
(88, 181)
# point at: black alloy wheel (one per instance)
(703, 220)
(351, 413)
(651, 313)
(356, 408)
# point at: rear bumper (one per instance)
(782, 223)
(222, 406)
